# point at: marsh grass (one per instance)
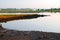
(9, 17)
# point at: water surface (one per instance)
(46, 24)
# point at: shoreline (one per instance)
(8, 17)
(27, 35)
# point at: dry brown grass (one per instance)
(10, 16)
(4, 18)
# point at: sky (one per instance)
(29, 3)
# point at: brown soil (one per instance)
(27, 35)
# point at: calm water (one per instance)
(46, 24)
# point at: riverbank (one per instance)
(28, 10)
(9, 17)
(27, 35)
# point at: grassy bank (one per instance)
(9, 17)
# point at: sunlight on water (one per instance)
(47, 24)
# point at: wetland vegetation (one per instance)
(28, 10)
(9, 17)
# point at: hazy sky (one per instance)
(29, 3)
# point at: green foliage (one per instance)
(28, 10)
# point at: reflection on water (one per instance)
(47, 24)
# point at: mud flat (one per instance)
(27, 35)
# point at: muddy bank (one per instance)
(5, 18)
(27, 35)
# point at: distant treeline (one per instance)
(28, 10)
